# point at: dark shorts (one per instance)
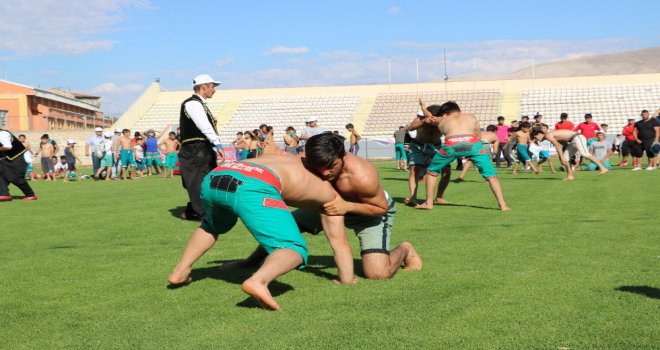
(47, 165)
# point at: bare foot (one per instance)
(424, 205)
(603, 171)
(180, 277)
(441, 201)
(505, 209)
(552, 171)
(412, 261)
(261, 294)
(514, 174)
(569, 178)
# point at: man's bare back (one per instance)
(490, 137)
(459, 124)
(297, 181)
(560, 135)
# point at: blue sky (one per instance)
(115, 48)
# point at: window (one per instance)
(3, 118)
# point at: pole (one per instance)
(389, 74)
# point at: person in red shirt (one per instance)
(588, 129)
(629, 140)
(564, 123)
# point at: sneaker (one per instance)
(31, 198)
(636, 168)
(624, 163)
(5, 198)
(650, 168)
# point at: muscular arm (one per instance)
(415, 124)
(635, 135)
(370, 199)
(333, 226)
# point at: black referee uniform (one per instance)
(12, 166)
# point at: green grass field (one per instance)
(574, 265)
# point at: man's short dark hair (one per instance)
(546, 125)
(322, 150)
(401, 127)
(587, 116)
(239, 133)
(492, 128)
(349, 126)
(524, 117)
(45, 136)
(563, 116)
(434, 110)
(536, 132)
(500, 118)
(21, 135)
(63, 157)
(449, 107)
(644, 111)
(603, 124)
(125, 131)
(525, 125)
(262, 126)
(172, 133)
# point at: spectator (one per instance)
(138, 152)
(564, 123)
(601, 151)
(269, 142)
(117, 161)
(94, 141)
(107, 160)
(536, 125)
(354, 139)
(126, 154)
(291, 141)
(616, 145)
(29, 172)
(524, 119)
(47, 150)
(253, 145)
(172, 146)
(310, 130)
(646, 132)
(61, 167)
(239, 146)
(400, 153)
(604, 127)
(503, 137)
(588, 129)
(71, 159)
(152, 153)
(628, 142)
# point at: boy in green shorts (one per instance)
(259, 194)
(126, 155)
(172, 146)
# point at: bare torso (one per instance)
(47, 149)
(523, 137)
(170, 145)
(297, 181)
(459, 124)
(125, 143)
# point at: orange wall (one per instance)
(11, 106)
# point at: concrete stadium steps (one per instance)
(333, 112)
(225, 114)
(392, 110)
(609, 104)
(510, 106)
(167, 113)
(361, 114)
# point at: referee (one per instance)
(12, 167)
(200, 143)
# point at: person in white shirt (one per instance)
(91, 143)
(107, 159)
(200, 143)
(310, 130)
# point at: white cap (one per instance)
(118, 130)
(98, 128)
(420, 113)
(631, 118)
(600, 132)
(107, 134)
(70, 142)
(312, 118)
(203, 79)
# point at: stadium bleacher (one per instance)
(167, 113)
(392, 110)
(609, 104)
(333, 111)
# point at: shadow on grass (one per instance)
(317, 265)
(649, 292)
(176, 212)
(535, 178)
(399, 200)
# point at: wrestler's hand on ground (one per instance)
(336, 207)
